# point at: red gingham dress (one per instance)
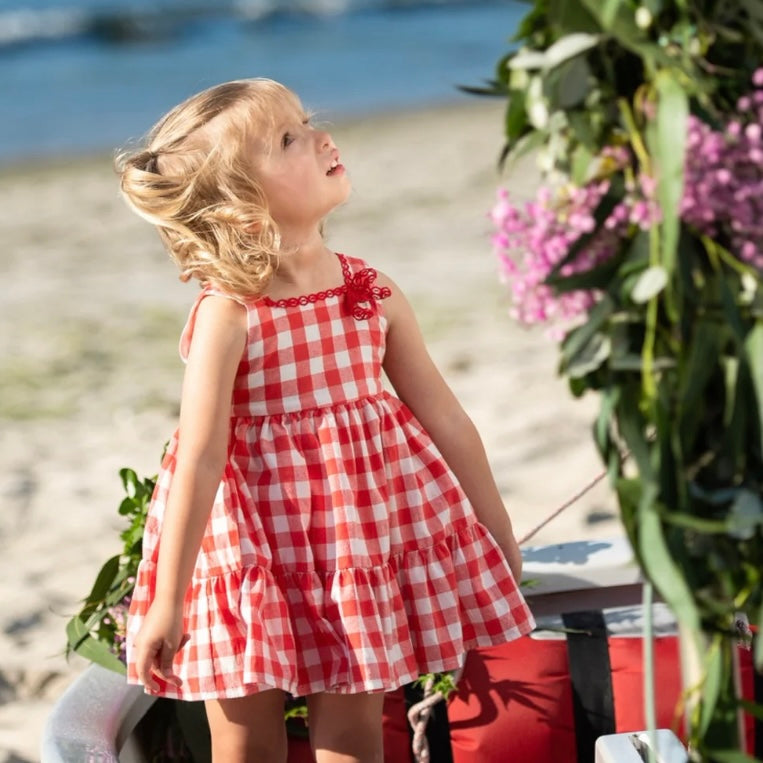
(341, 554)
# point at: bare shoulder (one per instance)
(219, 307)
(220, 326)
(396, 306)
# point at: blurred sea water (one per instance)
(84, 76)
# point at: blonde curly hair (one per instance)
(194, 181)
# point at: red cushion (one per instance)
(515, 702)
(517, 698)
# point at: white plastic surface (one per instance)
(580, 565)
(633, 748)
(93, 718)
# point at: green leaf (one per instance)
(516, 116)
(703, 351)
(754, 349)
(127, 506)
(759, 642)
(536, 16)
(502, 70)
(754, 10)
(632, 362)
(731, 382)
(104, 580)
(698, 365)
(572, 17)
(659, 563)
(628, 496)
(578, 387)
(617, 18)
(731, 310)
(490, 89)
(595, 279)
(527, 59)
(579, 337)
(649, 284)
(756, 711)
(669, 153)
(609, 11)
(601, 429)
(90, 648)
(698, 524)
(573, 84)
(569, 46)
(130, 481)
(525, 145)
(581, 127)
(731, 756)
(582, 158)
(590, 356)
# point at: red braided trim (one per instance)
(306, 299)
(360, 293)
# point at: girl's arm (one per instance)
(218, 342)
(420, 386)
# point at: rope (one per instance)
(419, 714)
(554, 514)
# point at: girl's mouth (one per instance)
(335, 168)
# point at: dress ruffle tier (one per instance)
(352, 630)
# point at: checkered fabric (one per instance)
(341, 554)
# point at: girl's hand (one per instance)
(160, 638)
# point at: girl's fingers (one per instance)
(159, 663)
(166, 656)
(145, 674)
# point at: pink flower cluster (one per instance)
(723, 198)
(531, 241)
(723, 193)
(117, 622)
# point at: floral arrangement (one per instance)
(642, 255)
(722, 199)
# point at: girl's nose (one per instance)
(324, 140)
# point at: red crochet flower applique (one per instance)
(361, 295)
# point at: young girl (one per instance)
(310, 533)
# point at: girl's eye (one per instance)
(287, 139)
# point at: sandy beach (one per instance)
(90, 376)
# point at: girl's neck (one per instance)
(305, 270)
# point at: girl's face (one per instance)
(299, 170)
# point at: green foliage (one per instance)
(674, 346)
(97, 631)
(577, 60)
(444, 683)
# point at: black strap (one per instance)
(591, 677)
(438, 728)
